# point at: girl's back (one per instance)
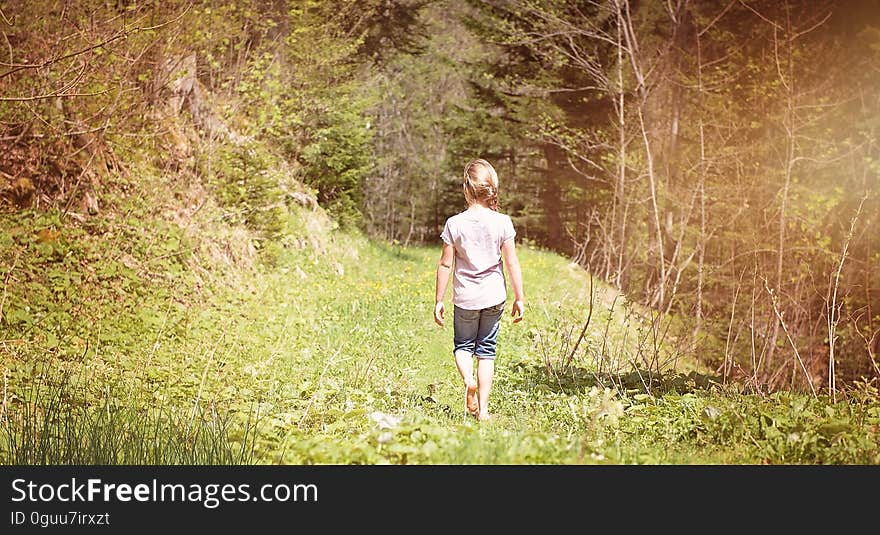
(477, 235)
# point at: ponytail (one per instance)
(492, 197)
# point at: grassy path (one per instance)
(333, 357)
(342, 353)
(331, 345)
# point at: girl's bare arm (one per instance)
(511, 260)
(444, 267)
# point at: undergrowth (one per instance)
(155, 334)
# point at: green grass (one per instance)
(139, 354)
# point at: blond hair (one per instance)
(481, 183)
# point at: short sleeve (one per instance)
(446, 235)
(507, 230)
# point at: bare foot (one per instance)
(472, 401)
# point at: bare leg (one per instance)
(465, 364)
(485, 372)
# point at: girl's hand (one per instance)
(439, 312)
(519, 308)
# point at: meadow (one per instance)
(118, 348)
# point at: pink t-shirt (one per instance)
(477, 234)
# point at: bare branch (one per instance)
(756, 12)
(52, 95)
(586, 324)
(23, 66)
(716, 19)
(788, 335)
(833, 307)
(118, 35)
(795, 35)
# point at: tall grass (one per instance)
(55, 423)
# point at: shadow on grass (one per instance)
(634, 381)
(397, 252)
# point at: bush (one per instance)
(249, 181)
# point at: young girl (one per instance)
(476, 241)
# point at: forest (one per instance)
(230, 212)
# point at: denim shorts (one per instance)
(475, 331)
